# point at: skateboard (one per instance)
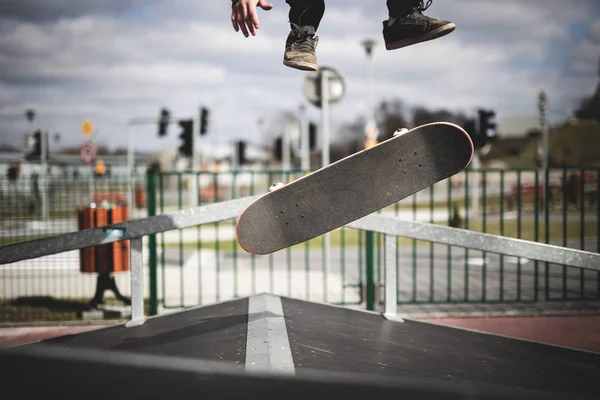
(353, 187)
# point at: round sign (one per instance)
(87, 128)
(312, 86)
(87, 153)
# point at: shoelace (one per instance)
(422, 6)
(417, 13)
(305, 40)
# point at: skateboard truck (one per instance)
(400, 131)
(275, 186)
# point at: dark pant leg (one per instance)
(306, 12)
(401, 8)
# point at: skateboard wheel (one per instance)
(400, 131)
(275, 186)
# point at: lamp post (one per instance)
(371, 132)
(304, 138)
(371, 139)
(543, 106)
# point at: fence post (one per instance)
(370, 271)
(152, 257)
(390, 310)
(137, 284)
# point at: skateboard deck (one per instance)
(353, 187)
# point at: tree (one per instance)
(589, 108)
(391, 115)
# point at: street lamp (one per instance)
(30, 114)
(371, 132)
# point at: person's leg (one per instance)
(300, 47)
(399, 8)
(306, 12)
(407, 25)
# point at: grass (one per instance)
(4, 241)
(46, 308)
(25, 215)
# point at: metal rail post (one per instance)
(152, 251)
(370, 271)
(137, 283)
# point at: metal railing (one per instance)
(563, 210)
(392, 227)
(133, 231)
(200, 264)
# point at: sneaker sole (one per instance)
(434, 34)
(301, 65)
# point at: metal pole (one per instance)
(473, 207)
(325, 117)
(370, 125)
(370, 270)
(370, 138)
(152, 253)
(543, 104)
(391, 278)
(285, 145)
(195, 163)
(475, 179)
(304, 140)
(325, 161)
(130, 165)
(137, 283)
(44, 144)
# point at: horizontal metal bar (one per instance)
(543, 252)
(128, 230)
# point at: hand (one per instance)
(244, 16)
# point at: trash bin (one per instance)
(105, 259)
(140, 197)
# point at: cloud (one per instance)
(115, 60)
(594, 33)
(43, 10)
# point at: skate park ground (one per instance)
(578, 331)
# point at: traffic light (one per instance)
(470, 127)
(312, 135)
(278, 148)
(487, 127)
(203, 121)
(187, 126)
(241, 152)
(165, 116)
(36, 149)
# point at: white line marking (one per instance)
(267, 343)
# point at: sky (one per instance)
(109, 61)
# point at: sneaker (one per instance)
(414, 28)
(300, 48)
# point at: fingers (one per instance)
(252, 21)
(264, 5)
(244, 16)
(234, 20)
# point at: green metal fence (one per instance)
(34, 207)
(205, 264)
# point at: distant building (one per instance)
(518, 126)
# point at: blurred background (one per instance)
(105, 104)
